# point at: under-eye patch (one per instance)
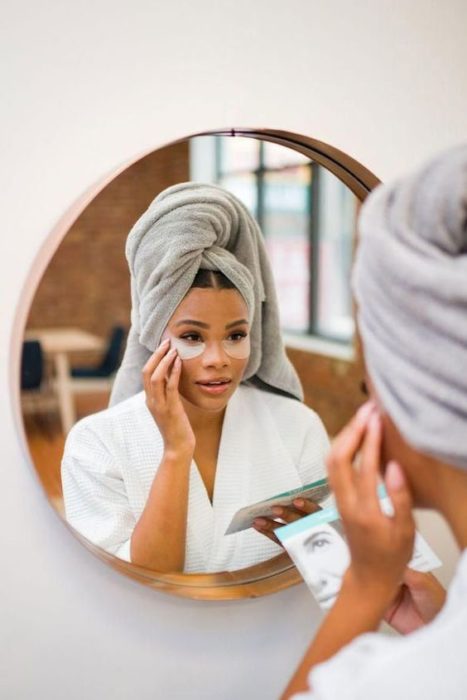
(187, 349)
(238, 349)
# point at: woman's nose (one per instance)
(316, 578)
(215, 356)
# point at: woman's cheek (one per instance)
(184, 382)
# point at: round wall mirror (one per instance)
(304, 196)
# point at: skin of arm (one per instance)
(380, 546)
(341, 626)
(158, 540)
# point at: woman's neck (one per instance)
(448, 495)
(203, 421)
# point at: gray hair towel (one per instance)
(410, 284)
(189, 227)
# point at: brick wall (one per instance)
(87, 283)
(332, 386)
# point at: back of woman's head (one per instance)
(410, 283)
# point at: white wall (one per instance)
(89, 85)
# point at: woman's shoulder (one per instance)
(109, 419)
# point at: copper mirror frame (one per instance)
(264, 578)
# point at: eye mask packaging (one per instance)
(187, 350)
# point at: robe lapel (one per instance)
(200, 524)
(253, 464)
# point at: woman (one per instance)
(325, 557)
(157, 477)
(410, 282)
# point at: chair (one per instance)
(100, 377)
(37, 393)
(32, 365)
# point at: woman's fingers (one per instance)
(153, 362)
(286, 513)
(174, 379)
(419, 580)
(342, 454)
(369, 466)
(401, 498)
(155, 358)
(156, 373)
(305, 506)
(266, 527)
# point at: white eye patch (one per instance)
(188, 349)
(238, 349)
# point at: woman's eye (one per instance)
(319, 544)
(237, 336)
(191, 337)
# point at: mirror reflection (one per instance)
(207, 371)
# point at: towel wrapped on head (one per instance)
(189, 227)
(410, 284)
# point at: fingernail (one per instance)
(299, 502)
(259, 521)
(364, 412)
(277, 510)
(375, 421)
(394, 477)
(165, 342)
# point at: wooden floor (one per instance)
(46, 442)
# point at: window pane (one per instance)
(337, 217)
(276, 156)
(237, 154)
(286, 221)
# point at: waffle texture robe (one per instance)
(428, 664)
(269, 444)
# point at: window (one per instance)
(307, 217)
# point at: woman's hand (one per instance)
(161, 375)
(418, 601)
(380, 545)
(286, 514)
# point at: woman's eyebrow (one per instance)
(191, 322)
(200, 324)
(236, 323)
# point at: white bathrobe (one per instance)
(269, 444)
(429, 664)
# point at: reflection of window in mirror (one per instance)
(307, 216)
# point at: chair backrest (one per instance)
(32, 365)
(112, 357)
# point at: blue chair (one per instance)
(38, 396)
(110, 361)
(32, 365)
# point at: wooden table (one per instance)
(57, 343)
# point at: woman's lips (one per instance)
(215, 387)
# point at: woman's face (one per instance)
(327, 557)
(214, 324)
